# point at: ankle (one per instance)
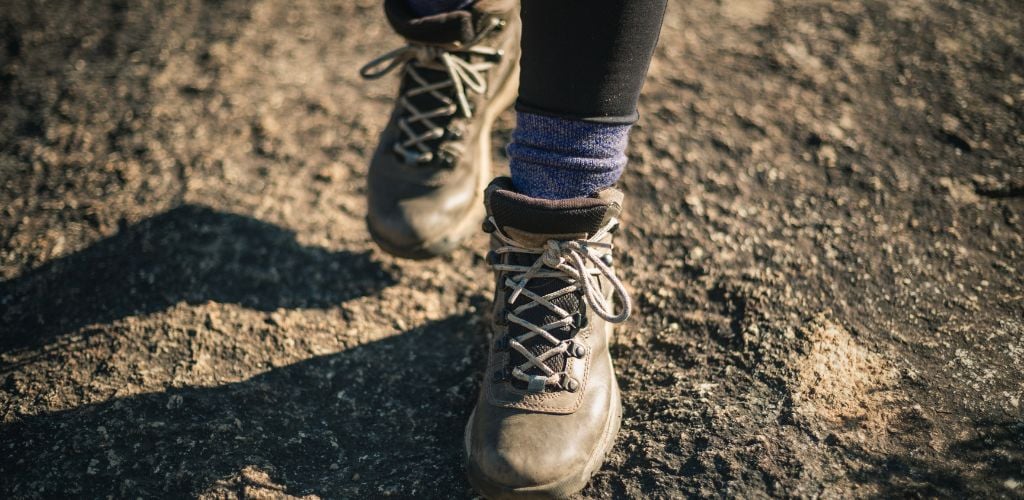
(560, 158)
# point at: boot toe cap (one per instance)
(397, 228)
(410, 231)
(420, 217)
(512, 469)
(523, 456)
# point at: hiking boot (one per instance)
(549, 404)
(460, 70)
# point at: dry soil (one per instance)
(823, 238)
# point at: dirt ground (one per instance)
(824, 238)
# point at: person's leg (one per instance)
(583, 65)
(549, 406)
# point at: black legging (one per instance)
(587, 59)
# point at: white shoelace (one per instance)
(463, 76)
(568, 261)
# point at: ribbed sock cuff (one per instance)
(432, 7)
(556, 158)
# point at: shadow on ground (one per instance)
(995, 451)
(383, 417)
(192, 254)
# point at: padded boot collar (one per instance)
(550, 217)
(455, 27)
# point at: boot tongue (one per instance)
(531, 222)
(522, 217)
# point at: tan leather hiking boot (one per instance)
(459, 71)
(549, 404)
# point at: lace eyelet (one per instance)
(446, 160)
(608, 260)
(568, 383)
(489, 227)
(576, 349)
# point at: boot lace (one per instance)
(579, 263)
(463, 75)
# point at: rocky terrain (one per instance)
(824, 239)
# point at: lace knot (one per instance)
(554, 254)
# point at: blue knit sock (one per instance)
(432, 7)
(557, 158)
